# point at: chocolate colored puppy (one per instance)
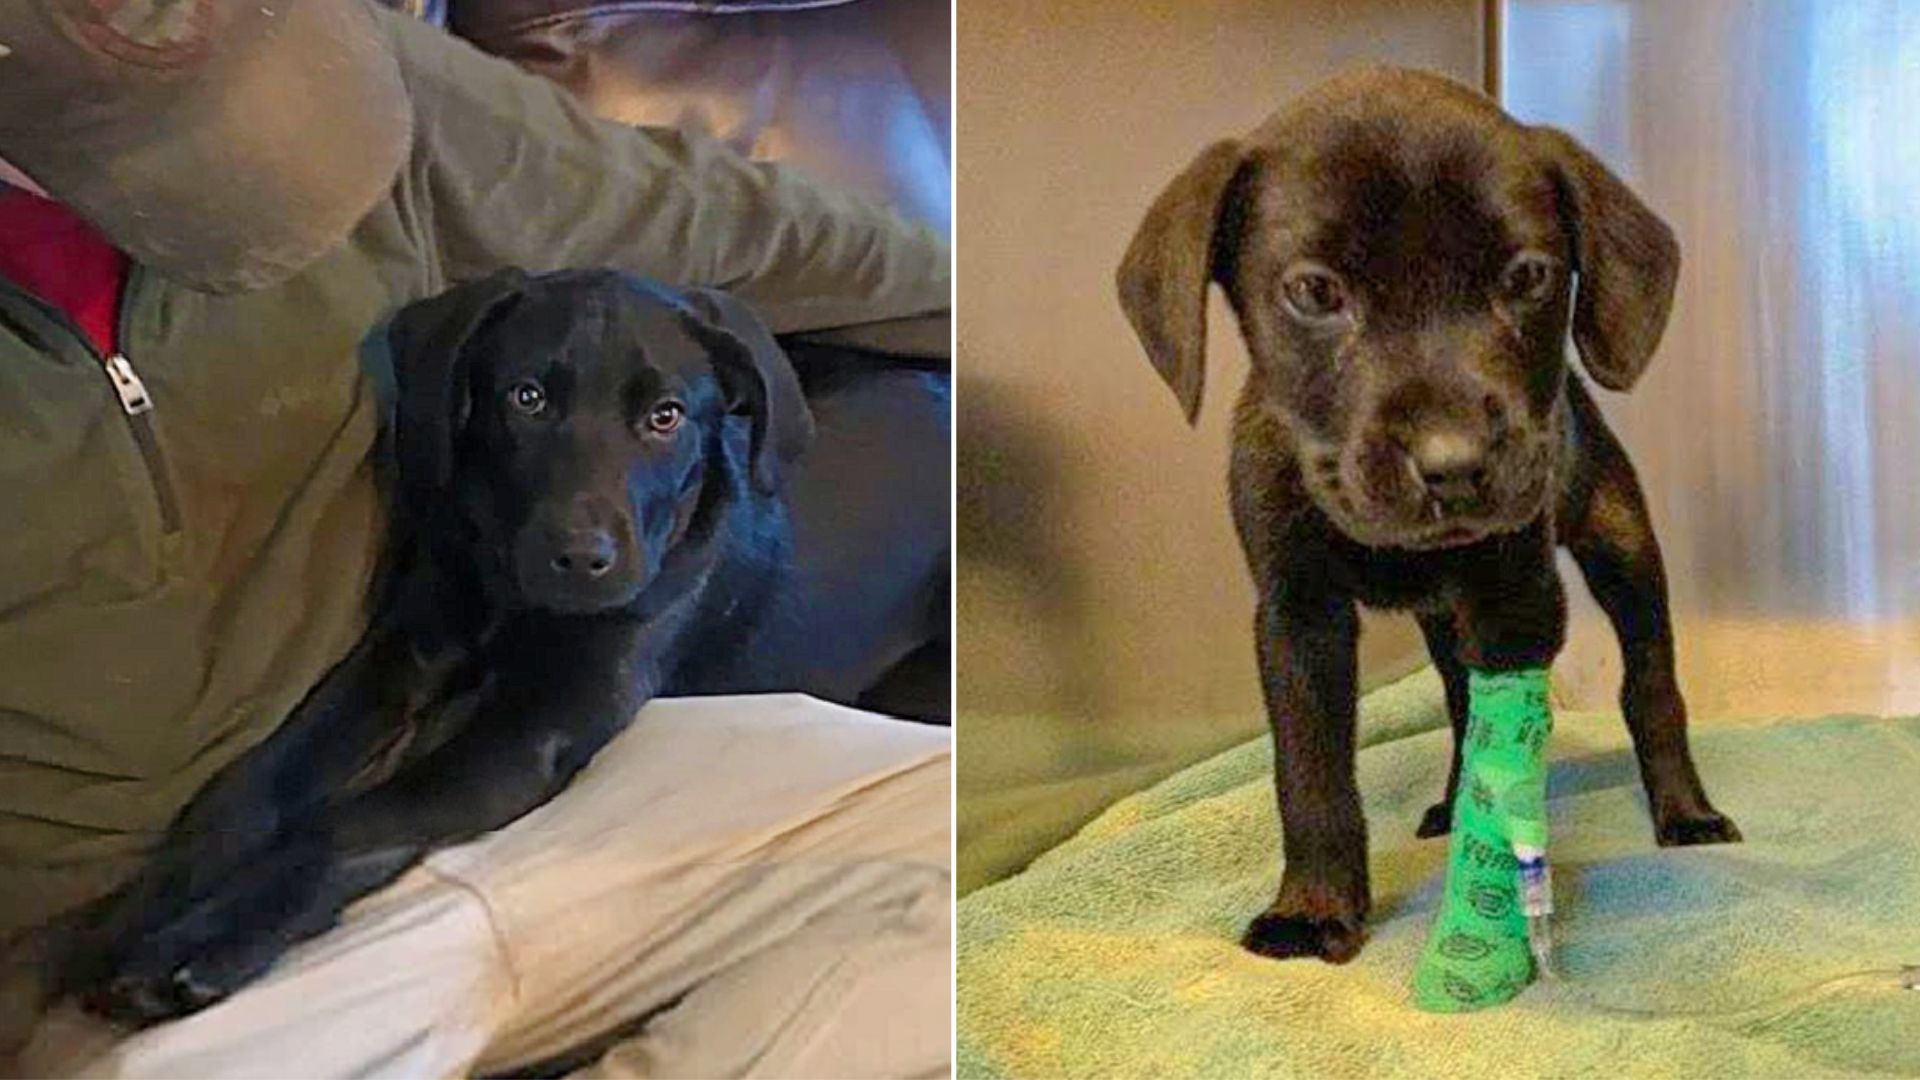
(1405, 261)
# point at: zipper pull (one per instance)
(126, 383)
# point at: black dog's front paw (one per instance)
(181, 956)
(1711, 827)
(173, 971)
(139, 1000)
(1286, 937)
(1437, 821)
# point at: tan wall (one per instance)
(1105, 613)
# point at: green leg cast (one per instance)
(1478, 953)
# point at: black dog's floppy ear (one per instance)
(759, 377)
(1628, 262)
(1164, 276)
(428, 341)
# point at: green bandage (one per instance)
(1479, 954)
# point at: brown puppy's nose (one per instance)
(1451, 465)
(586, 553)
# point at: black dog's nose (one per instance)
(585, 553)
(1452, 465)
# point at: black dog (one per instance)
(596, 508)
(1401, 256)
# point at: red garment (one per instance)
(51, 253)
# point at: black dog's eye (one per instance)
(665, 417)
(1530, 276)
(527, 397)
(1314, 293)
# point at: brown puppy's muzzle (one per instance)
(1436, 467)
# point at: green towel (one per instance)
(1115, 954)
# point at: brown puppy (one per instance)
(1405, 260)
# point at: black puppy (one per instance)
(1402, 259)
(595, 508)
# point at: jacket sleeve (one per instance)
(511, 170)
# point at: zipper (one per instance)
(132, 394)
(138, 406)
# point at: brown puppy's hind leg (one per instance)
(1611, 537)
(1443, 645)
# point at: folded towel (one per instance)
(1115, 953)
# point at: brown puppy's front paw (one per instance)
(1711, 827)
(1437, 821)
(1286, 937)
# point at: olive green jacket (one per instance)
(189, 546)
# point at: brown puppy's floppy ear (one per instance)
(1164, 276)
(1627, 258)
(428, 340)
(759, 378)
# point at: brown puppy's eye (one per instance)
(1315, 294)
(1529, 276)
(665, 418)
(527, 397)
